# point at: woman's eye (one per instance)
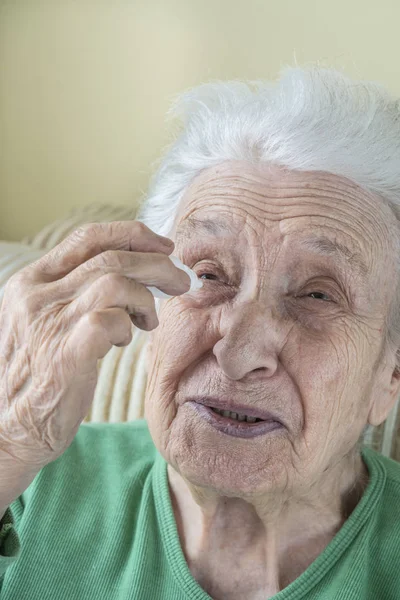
(318, 296)
(207, 276)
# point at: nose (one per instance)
(248, 347)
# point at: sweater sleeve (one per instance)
(9, 538)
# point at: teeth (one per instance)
(236, 416)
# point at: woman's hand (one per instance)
(58, 317)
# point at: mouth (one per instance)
(235, 415)
(241, 422)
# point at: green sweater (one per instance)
(98, 524)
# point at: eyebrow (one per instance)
(327, 247)
(209, 226)
(321, 245)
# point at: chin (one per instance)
(230, 469)
(225, 480)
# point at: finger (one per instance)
(94, 335)
(93, 239)
(143, 323)
(147, 268)
(115, 291)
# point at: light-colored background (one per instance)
(85, 85)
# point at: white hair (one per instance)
(311, 119)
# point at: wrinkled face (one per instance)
(296, 284)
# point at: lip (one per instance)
(233, 428)
(227, 404)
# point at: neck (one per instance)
(267, 542)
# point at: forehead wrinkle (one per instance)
(277, 184)
(267, 198)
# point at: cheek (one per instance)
(333, 374)
(178, 342)
(178, 338)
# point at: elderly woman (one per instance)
(248, 479)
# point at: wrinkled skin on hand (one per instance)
(59, 316)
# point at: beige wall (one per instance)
(84, 86)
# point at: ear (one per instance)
(386, 398)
